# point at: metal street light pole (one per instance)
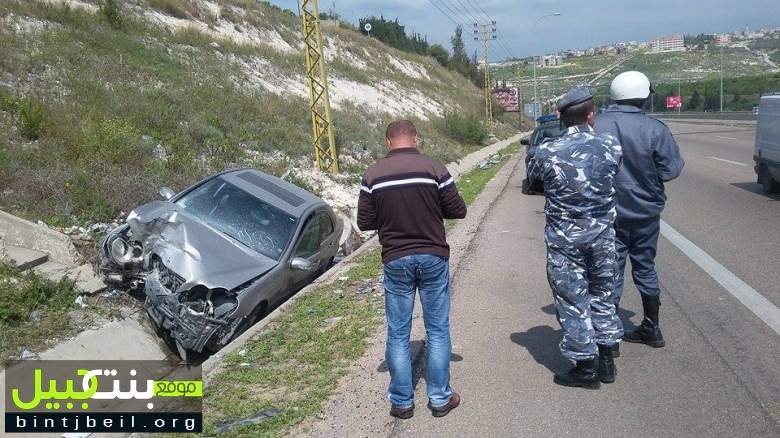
(533, 32)
(721, 78)
(679, 88)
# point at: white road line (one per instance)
(728, 161)
(725, 138)
(754, 301)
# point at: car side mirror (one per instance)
(167, 193)
(301, 264)
(525, 142)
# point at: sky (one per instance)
(582, 24)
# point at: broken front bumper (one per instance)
(191, 330)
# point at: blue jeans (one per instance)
(431, 275)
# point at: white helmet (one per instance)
(630, 85)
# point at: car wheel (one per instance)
(327, 265)
(257, 314)
(767, 181)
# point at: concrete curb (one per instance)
(467, 163)
(15, 231)
(212, 363)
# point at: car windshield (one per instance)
(241, 216)
(553, 130)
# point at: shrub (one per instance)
(177, 8)
(114, 141)
(31, 119)
(5, 166)
(7, 102)
(23, 292)
(465, 128)
(91, 205)
(440, 54)
(112, 12)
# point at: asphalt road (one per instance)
(717, 376)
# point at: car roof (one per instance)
(547, 118)
(281, 194)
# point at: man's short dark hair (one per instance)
(577, 114)
(401, 128)
(639, 103)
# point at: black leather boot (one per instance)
(583, 375)
(606, 369)
(616, 350)
(649, 332)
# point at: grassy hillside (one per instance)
(698, 65)
(573, 66)
(97, 110)
(691, 67)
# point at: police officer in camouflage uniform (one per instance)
(651, 159)
(577, 171)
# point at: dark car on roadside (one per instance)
(213, 259)
(548, 128)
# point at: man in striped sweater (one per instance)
(405, 196)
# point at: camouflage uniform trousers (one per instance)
(582, 279)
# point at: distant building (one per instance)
(550, 60)
(668, 44)
(724, 39)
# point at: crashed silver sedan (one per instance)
(213, 259)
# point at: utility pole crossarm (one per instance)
(316, 74)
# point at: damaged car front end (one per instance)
(194, 320)
(212, 260)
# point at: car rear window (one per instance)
(553, 130)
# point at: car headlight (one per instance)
(121, 251)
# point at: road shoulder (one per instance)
(359, 406)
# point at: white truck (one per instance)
(767, 154)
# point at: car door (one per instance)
(329, 238)
(306, 247)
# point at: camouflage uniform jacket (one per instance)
(578, 171)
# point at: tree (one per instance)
(440, 54)
(475, 73)
(393, 33)
(711, 101)
(693, 102)
(459, 60)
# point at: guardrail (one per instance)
(726, 115)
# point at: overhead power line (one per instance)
(444, 13)
(459, 13)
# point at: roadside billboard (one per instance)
(674, 101)
(507, 98)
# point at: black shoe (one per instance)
(583, 375)
(616, 350)
(444, 410)
(402, 413)
(649, 332)
(607, 370)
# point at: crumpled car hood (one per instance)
(193, 250)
